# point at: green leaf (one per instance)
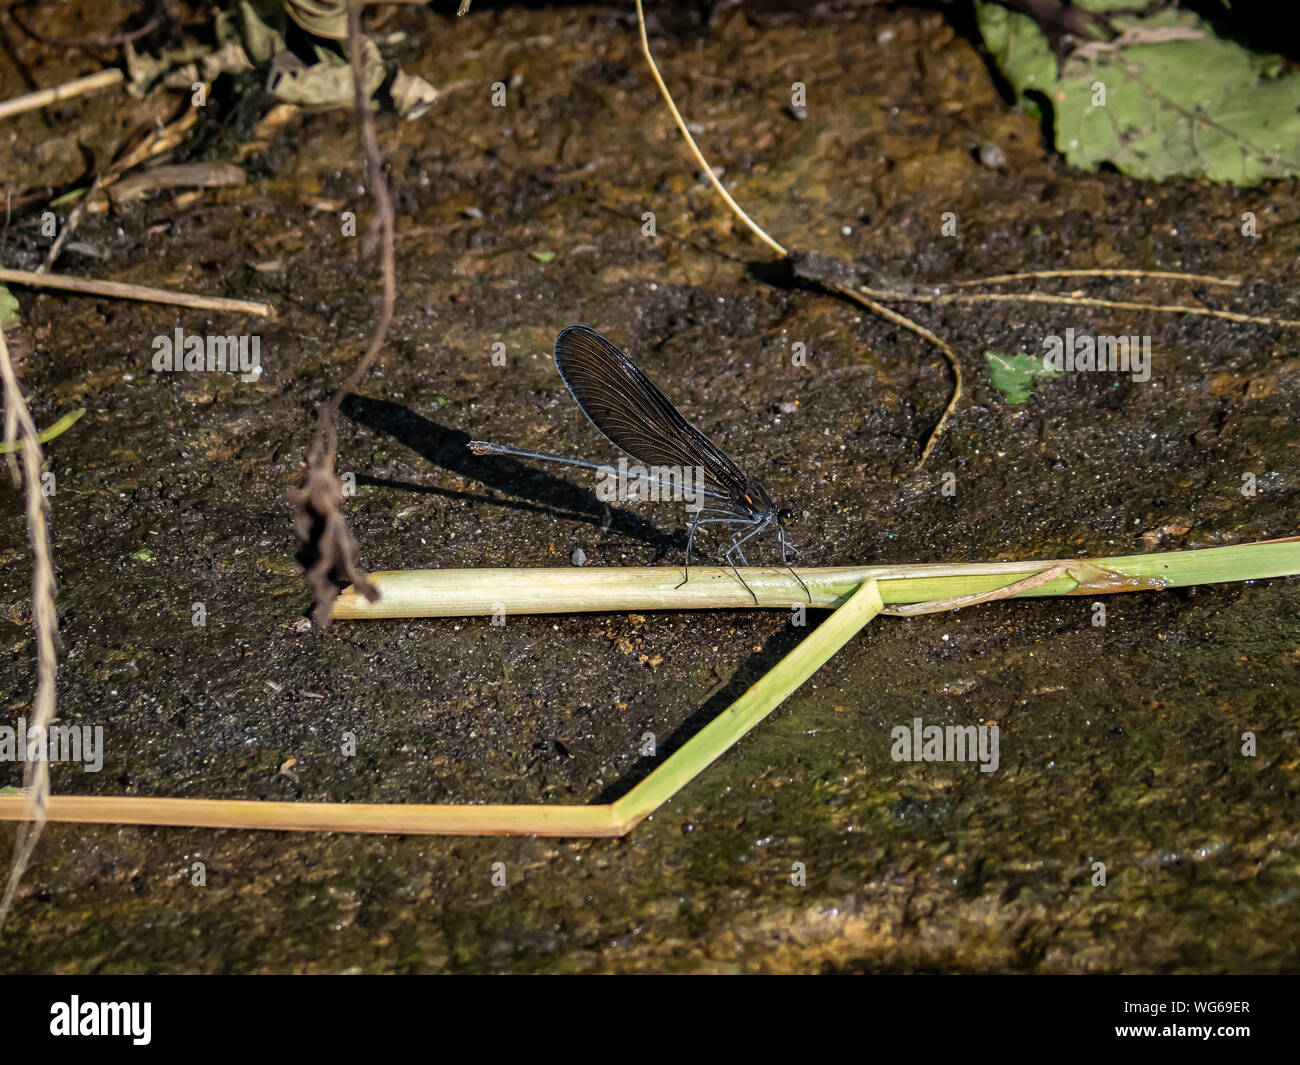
(143, 555)
(543, 256)
(1166, 99)
(1014, 375)
(8, 309)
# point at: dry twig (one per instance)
(45, 97)
(1075, 301)
(20, 428)
(121, 290)
(327, 548)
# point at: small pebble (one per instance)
(579, 557)
(992, 156)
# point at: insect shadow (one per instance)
(532, 490)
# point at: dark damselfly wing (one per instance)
(634, 416)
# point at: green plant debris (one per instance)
(143, 555)
(543, 256)
(1015, 375)
(1165, 99)
(46, 435)
(326, 83)
(8, 309)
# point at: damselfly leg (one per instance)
(787, 549)
(752, 525)
(725, 516)
(760, 523)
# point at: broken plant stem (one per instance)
(767, 693)
(610, 819)
(859, 593)
(484, 592)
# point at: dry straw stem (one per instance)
(1039, 275)
(36, 775)
(1010, 591)
(70, 226)
(754, 227)
(612, 819)
(120, 290)
(484, 592)
(44, 97)
(951, 356)
(1073, 301)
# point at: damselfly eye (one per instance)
(785, 514)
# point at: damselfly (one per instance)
(634, 416)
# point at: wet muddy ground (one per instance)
(1119, 744)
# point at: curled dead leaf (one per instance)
(412, 95)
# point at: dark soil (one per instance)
(1119, 745)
